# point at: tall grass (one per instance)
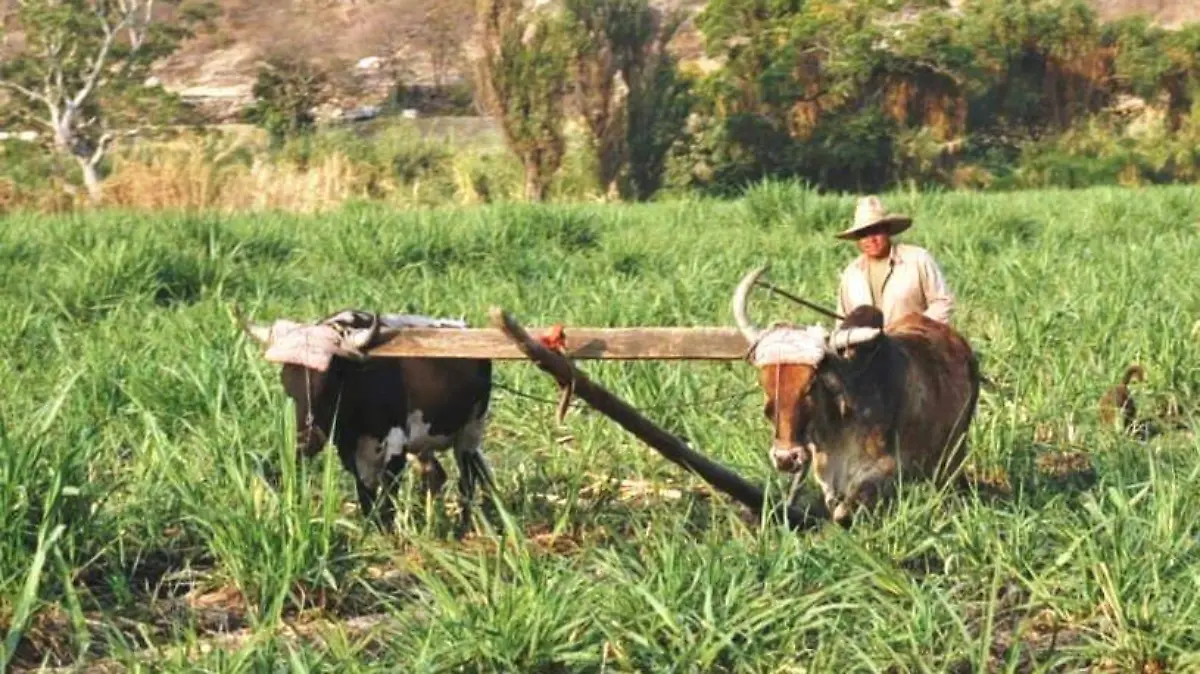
(233, 171)
(151, 502)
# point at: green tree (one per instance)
(790, 66)
(1153, 61)
(285, 92)
(522, 78)
(1029, 53)
(602, 33)
(659, 102)
(81, 73)
(627, 90)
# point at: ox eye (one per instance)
(769, 410)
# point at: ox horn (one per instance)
(750, 331)
(259, 333)
(848, 337)
(363, 338)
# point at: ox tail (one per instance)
(972, 404)
(977, 375)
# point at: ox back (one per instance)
(380, 411)
(937, 379)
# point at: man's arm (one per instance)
(938, 296)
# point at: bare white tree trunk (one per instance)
(91, 180)
(62, 105)
(68, 143)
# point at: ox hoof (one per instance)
(839, 510)
(433, 477)
(842, 514)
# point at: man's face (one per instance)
(874, 243)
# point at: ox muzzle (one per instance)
(794, 459)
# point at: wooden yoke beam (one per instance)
(671, 447)
(633, 343)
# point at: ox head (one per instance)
(799, 370)
(313, 356)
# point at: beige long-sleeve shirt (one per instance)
(913, 284)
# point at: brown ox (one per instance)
(865, 404)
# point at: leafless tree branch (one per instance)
(101, 148)
(110, 34)
(27, 93)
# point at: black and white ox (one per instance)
(379, 411)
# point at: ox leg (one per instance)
(829, 470)
(366, 498)
(872, 486)
(472, 467)
(433, 475)
(392, 472)
(369, 462)
(868, 477)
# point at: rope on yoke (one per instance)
(556, 341)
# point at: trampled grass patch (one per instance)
(151, 510)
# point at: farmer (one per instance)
(897, 278)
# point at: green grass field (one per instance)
(152, 516)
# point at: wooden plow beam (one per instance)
(638, 343)
(670, 447)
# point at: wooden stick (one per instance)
(672, 448)
(800, 300)
(632, 343)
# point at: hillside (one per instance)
(1165, 12)
(371, 44)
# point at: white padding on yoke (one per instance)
(314, 346)
(418, 321)
(791, 346)
(311, 346)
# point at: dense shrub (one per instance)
(863, 98)
(285, 93)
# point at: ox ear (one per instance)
(832, 381)
(356, 330)
(363, 337)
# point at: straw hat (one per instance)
(869, 213)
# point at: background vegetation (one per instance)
(152, 511)
(995, 94)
